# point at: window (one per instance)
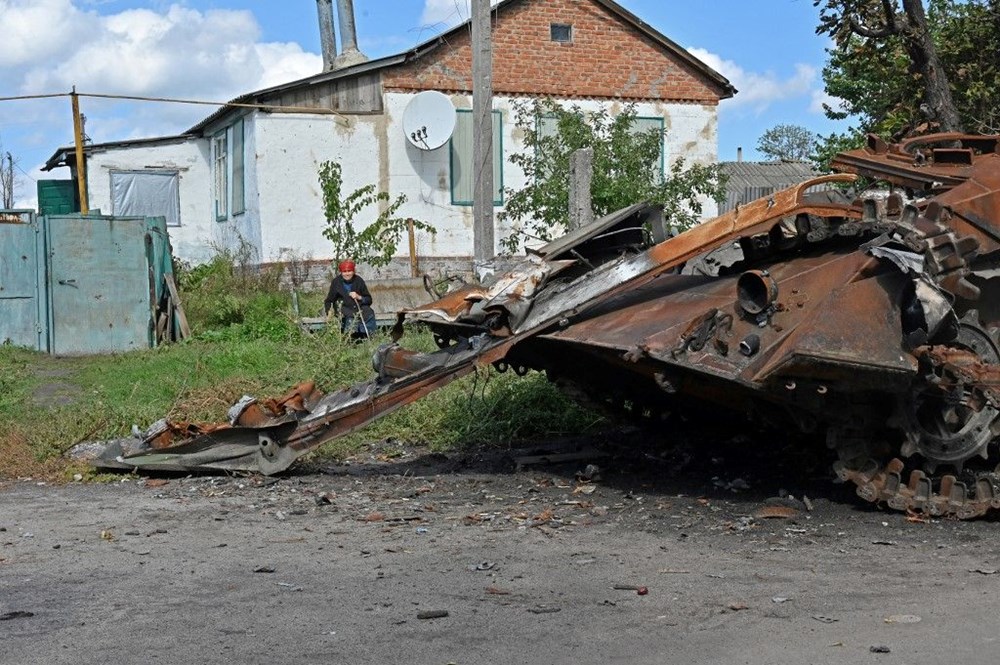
(547, 126)
(645, 124)
(239, 205)
(461, 159)
(146, 194)
(561, 32)
(219, 152)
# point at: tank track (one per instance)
(961, 499)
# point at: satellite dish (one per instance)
(429, 120)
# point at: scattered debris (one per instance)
(984, 571)
(823, 619)
(495, 591)
(879, 649)
(776, 512)
(544, 609)
(779, 600)
(891, 543)
(432, 614)
(903, 618)
(17, 614)
(264, 569)
(737, 607)
(483, 565)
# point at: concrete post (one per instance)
(482, 129)
(581, 171)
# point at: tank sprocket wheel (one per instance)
(950, 427)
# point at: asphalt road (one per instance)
(530, 566)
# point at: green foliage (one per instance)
(376, 243)
(101, 397)
(880, 89)
(626, 170)
(792, 143)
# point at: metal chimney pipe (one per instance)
(327, 37)
(739, 154)
(349, 55)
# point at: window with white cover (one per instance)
(146, 194)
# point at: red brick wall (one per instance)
(608, 58)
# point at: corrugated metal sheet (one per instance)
(748, 181)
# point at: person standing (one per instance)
(350, 294)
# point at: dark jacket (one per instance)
(338, 296)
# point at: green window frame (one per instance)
(239, 180)
(460, 159)
(220, 166)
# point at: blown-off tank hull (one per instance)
(868, 319)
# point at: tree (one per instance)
(626, 170)
(8, 181)
(376, 243)
(877, 86)
(857, 26)
(790, 143)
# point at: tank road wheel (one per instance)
(951, 427)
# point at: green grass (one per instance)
(248, 343)
(198, 380)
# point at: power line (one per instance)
(171, 100)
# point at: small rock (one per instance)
(881, 648)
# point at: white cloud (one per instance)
(821, 98)
(177, 52)
(757, 91)
(447, 13)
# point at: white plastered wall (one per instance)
(424, 177)
(190, 240)
(284, 217)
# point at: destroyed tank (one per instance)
(868, 319)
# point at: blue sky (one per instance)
(217, 49)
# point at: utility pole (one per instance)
(482, 142)
(81, 167)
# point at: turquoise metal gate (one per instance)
(22, 302)
(99, 281)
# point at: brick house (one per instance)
(247, 177)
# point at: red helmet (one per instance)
(345, 266)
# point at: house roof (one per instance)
(66, 155)
(779, 173)
(727, 89)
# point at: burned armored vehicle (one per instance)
(864, 318)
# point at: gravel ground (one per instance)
(652, 560)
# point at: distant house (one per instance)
(247, 177)
(748, 181)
